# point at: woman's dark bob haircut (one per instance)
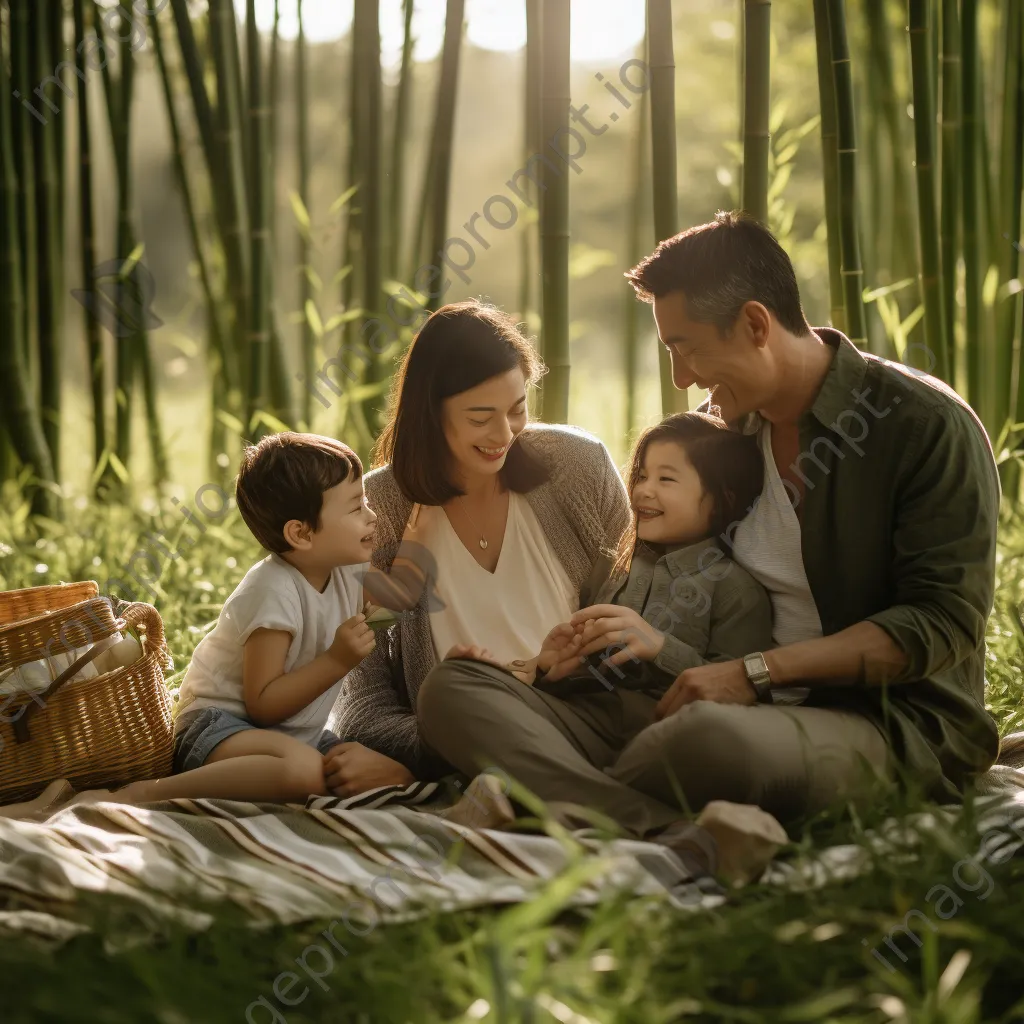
(460, 346)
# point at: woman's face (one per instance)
(480, 424)
(668, 499)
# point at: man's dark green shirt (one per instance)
(898, 528)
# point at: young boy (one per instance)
(256, 697)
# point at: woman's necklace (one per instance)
(483, 539)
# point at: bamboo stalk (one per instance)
(398, 145)
(899, 223)
(756, 105)
(528, 257)
(853, 273)
(226, 364)
(635, 234)
(969, 209)
(661, 57)
(307, 341)
(229, 164)
(924, 148)
(444, 128)
(367, 39)
(554, 214)
(221, 361)
(950, 198)
(830, 165)
(21, 134)
(18, 408)
(1011, 188)
(258, 321)
(351, 242)
(87, 251)
(47, 216)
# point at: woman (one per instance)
(507, 521)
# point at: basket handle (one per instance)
(21, 733)
(137, 614)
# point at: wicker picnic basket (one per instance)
(100, 732)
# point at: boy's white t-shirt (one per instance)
(272, 595)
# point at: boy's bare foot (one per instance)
(483, 805)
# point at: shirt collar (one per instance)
(682, 559)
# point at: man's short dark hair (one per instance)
(719, 267)
(284, 476)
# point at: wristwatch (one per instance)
(760, 679)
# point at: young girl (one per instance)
(670, 598)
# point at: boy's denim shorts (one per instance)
(194, 744)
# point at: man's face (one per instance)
(732, 367)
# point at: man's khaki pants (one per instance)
(606, 751)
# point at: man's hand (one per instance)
(723, 682)
(604, 625)
(352, 642)
(351, 768)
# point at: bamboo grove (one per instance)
(922, 214)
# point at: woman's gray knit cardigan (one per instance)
(582, 508)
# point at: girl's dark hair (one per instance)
(460, 346)
(728, 464)
(284, 476)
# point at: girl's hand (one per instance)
(604, 625)
(351, 768)
(560, 651)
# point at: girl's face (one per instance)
(668, 499)
(480, 424)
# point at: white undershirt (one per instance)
(767, 544)
(509, 611)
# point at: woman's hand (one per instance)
(560, 651)
(351, 768)
(611, 625)
(474, 653)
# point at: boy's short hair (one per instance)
(284, 476)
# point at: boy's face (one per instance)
(347, 526)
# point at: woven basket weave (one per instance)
(100, 732)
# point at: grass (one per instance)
(766, 955)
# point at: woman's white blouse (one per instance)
(509, 611)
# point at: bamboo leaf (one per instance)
(313, 277)
(268, 419)
(313, 319)
(342, 318)
(343, 198)
(341, 275)
(118, 467)
(363, 391)
(991, 287)
(132, 261)
(101, 465)
(300, 211)
(585, 260)
(875, 293)
(231, 422)
(779, 182)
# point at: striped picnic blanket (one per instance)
(379, 857)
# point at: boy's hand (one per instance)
(560, 651)
(352, 642)
(605, 625)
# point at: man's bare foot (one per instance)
(483, 805)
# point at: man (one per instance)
(875, 536)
